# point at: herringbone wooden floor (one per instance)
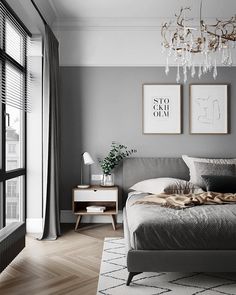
(69, 265)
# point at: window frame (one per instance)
(4, 174)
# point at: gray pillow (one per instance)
(190, 163)
(212, 169)
(220, 184)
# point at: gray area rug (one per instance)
(113, 275)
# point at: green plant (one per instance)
(116, 154)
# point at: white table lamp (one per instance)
(86, 159)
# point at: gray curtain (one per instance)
(51, 142)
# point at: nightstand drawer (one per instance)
(95, 195)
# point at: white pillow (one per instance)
(192, 169)
(166, 185)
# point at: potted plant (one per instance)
(116, 154)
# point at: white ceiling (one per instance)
(74, 9)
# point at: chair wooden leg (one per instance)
(130, 277)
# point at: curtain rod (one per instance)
(39, 12)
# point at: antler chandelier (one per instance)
(201, 46)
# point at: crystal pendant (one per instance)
(178, 75)
(175, 55)
(163, 49)
(193, 71)
(215, 71)
(199, 71)
(185, 73)
(167, 66)
(220, 44)
(223, 58)
(230, 62)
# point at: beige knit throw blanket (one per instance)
(189, 200)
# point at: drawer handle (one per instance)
(94, 190)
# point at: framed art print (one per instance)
(208, 109)
(161, 109)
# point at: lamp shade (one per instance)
(87, 159)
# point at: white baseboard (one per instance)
(67, 216)
(34, 225)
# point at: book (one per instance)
(95, 208)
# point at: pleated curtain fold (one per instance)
(51, 141)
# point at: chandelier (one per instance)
(198, 49)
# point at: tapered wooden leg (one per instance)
(130, 277)
(113, 220)
(77, 222)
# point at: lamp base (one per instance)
(83, 186)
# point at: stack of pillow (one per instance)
(216, 175)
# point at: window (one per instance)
(12, 210)
(12, 164)
(11, 149)
(14, 200)
(13, 107)
(11, 188)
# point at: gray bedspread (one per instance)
(206, 227)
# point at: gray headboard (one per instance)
(137, 169)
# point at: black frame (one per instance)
(6, 175)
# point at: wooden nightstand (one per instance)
(95, 195)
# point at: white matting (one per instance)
(113, 276)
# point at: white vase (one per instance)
(107, 180)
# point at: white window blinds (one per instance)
(14, 42)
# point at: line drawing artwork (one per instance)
(210, 110)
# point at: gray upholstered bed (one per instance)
(150, 251)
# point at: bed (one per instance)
(156, 241)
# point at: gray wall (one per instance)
(103, 104)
